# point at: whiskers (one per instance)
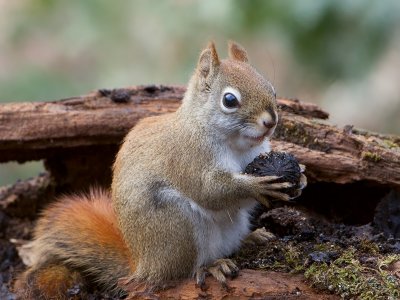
(237, 127)
(249, 129)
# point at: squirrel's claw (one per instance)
(277, 195)
(201, 277)
(220, 269)
(303, 181)
(280, 185)
(267, 179)
(301, 186)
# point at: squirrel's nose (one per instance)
(267, 120)
(269, 123)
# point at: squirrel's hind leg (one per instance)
(219, 269)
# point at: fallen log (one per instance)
(78, 138)
(52, 130)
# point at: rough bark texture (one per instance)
(30, 131)
(55, 130)
(339, 155)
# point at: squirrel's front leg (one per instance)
(221, 189)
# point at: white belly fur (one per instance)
(219, 233)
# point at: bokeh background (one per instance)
(343, 55)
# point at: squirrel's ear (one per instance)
(237, 52)
(208, 61)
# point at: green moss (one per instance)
(293, 259)
(368, 247)
(390, 144)
(347, 277)
(324, 247)
(371, 156)
(298, 134)
(277, 256)
(295, 131)
(384, 263)
(356, 270)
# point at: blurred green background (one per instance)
(343, 55)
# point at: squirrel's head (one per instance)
(232, 97)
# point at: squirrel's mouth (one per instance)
(258, 139)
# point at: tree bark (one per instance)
(99, 120)
(346, 155)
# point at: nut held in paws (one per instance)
(281, 164)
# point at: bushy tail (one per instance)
(51, 281)
(77, 240)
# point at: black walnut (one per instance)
(281, 164)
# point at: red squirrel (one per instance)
(179, 202)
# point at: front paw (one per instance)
(284, 191)
(260, 236)
(289, 183)
(268, 189)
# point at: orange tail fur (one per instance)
(77, 240)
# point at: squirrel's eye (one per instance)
(230, 101)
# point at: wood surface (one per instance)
(100, 120)
(250, 284)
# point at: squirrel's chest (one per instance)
(236, 161)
